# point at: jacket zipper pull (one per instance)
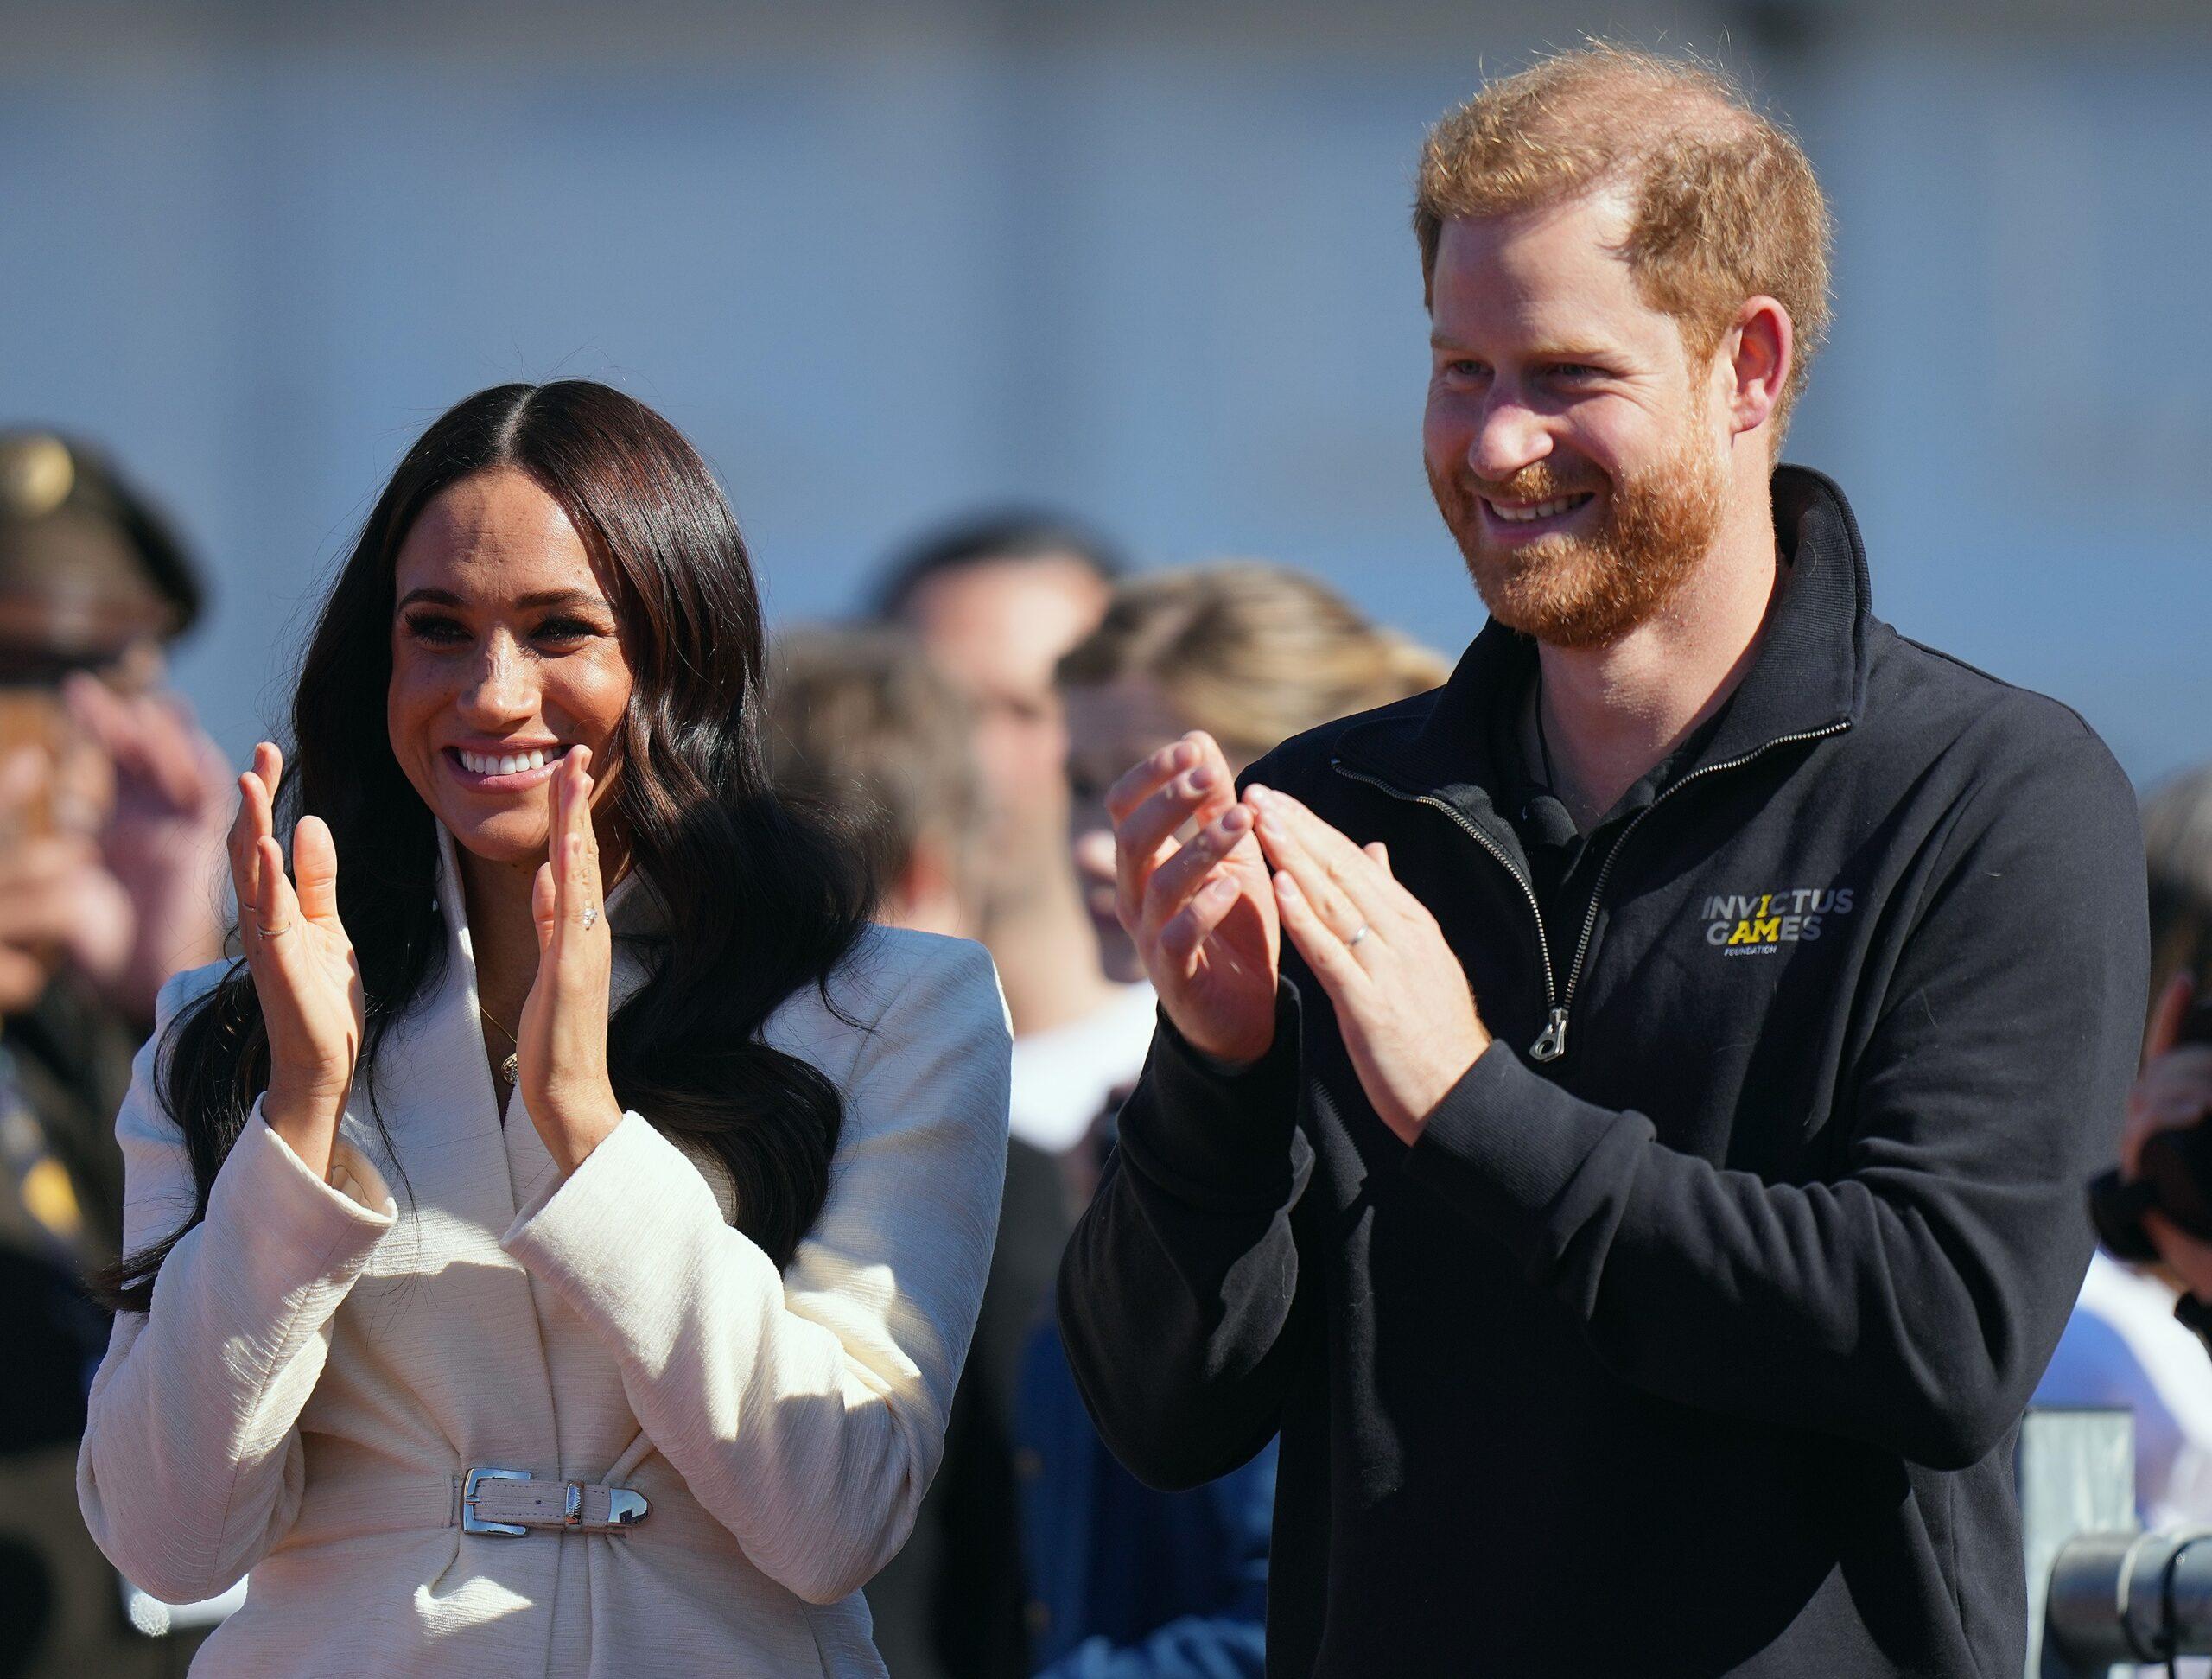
(1551, 1043)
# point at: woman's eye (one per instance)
(565, 629)
(429, 626)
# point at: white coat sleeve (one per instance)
(191, 1465)
(806, 1412)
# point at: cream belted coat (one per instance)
(324, 1361)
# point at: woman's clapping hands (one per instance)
(561, 1042)
(309, 983)
(303, 963)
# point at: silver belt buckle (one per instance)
(625, 1509)
(470, 1522)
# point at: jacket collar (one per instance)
(1808, 677)
(636, 915)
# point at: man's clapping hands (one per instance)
(1208, 911)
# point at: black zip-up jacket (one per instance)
(1699, 1347)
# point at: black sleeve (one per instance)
(1179, 1291)
(1913, 1301)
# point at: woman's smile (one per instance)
(508, 769)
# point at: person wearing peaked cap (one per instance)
(111, 798)
(91, 572)
(111, 829)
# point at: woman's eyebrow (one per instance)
(544, 597)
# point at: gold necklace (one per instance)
(510, 1069)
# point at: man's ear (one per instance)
(1757, 353)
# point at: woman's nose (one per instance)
(499, 686)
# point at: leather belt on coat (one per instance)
(511, 1502)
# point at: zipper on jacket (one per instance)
(1551, 1042)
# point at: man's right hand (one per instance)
(1202, 911)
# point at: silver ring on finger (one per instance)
(271, 932)
(1352, 944)
(591, 914)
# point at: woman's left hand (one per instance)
(562, 1041)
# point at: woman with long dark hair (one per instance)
(525, 1277)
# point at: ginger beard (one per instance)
(1573, 590)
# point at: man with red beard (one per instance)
(1621, 1115)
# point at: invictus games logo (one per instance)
(1762, 923)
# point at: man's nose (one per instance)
(1510, 436)
(1094, 852)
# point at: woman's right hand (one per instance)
(303, 967)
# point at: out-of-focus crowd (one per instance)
(963, 732)
(112, 808)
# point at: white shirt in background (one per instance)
(1064, 1078)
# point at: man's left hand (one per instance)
(1401, 999)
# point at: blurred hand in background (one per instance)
(2173, 1091)
(162, 842)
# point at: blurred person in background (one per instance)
(864, 730)
(1250, 652)
(1127, 1582)
(994, 600)
(112, 805)
(2123, 1345)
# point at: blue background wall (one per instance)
(883, 261)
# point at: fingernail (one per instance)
(1257, 794)
(1236, 819)
(1201, 778)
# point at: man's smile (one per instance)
(1519, 521)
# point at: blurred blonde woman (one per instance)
(1128, 1580)
(1251, 652)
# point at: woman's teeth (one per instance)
(1534, 510)
(514, 763)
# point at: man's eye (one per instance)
(1462, 369)
(1573, 370)
(431, 627)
